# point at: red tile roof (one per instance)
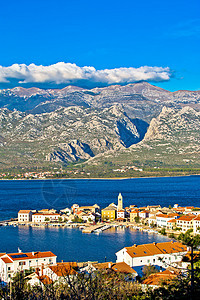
(7, 260)
(120, 267)
(28, 255)
(155, 249)
(158, 278)
(64, 269)
(24, 211)
(172, 221)
(186, 218)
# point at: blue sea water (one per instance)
(72, 244)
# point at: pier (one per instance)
(96, 228)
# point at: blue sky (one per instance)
(102, 34)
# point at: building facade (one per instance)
(160, 254)
(12, 263)
(25, 216)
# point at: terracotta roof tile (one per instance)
(7, 260)
(122, 267)
(158, 278)
(29, 255)
(64, 269)
(155, 248)
(186, 218)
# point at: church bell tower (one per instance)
(120, 202)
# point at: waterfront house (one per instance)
(109, 213)
(41, 218)
(133, 214)
(160, 254)
(162, 219)
(25, 216)
(12, 263)
(144, 214)
(185, 222)
(121, 214)
(88, 217)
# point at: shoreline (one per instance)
(99, 178)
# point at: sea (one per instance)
(70, 244)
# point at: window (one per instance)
(8, 268)
(22, 263)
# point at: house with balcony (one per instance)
(12, 263)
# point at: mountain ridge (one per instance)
(142, 100)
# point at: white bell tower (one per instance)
(120, 202)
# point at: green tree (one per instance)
(192, 242)
(137, 219)
(148, 270)
(163, 231)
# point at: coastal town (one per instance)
(152, 218)
(168, 257)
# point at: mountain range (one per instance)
(116, 125)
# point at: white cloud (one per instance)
(65, 73)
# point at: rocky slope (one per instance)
(46, 127)
(65, 135)
(172, 139)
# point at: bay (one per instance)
(72, 244)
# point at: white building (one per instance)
(162, 219)
(12, 263)
(25, 216)
(185, 222)
(144, 214)
(41, 218)
(196, 225)
(90, 217)
(121, 214)
(160, 254)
